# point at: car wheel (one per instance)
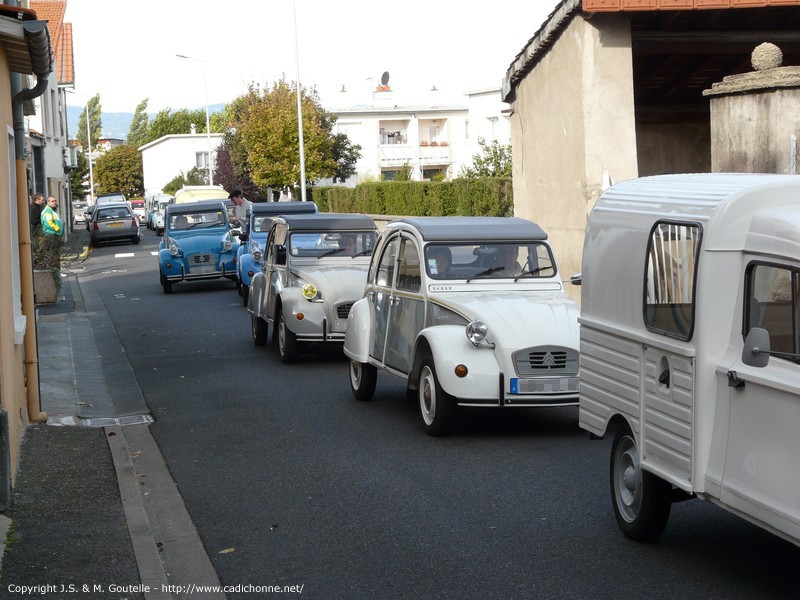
(641, 500)
(167, 285)
(288, 347)
(94, 243)
(245, 292)
(436, 407)
(135, 239)
(363, 377)
(259, 328)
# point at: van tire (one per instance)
(363, 377)
(288, 346)
(641, 500)
(259, 329)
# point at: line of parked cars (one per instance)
(112, 219)
(695, 371)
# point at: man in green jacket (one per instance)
(53, 230)
(51, 222)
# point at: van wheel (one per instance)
(135, 239)
(245, 292)
(259, 328)
(363, 377)
(288, 347)
(167, 285)
(436, 406)
(641, 500)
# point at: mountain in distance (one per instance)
(116, 125)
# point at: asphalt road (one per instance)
(290, 481)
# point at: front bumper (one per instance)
(316, 325)
(197, 267)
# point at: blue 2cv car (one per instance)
(250, 257)
(197, 244)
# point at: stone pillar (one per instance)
(755, 117)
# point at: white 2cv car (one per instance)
(315, 269)
(470, 311)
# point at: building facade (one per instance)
(170, 156)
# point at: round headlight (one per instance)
(476, 332)
(226, 245)
(309, 291)
(257, 256)
(173, 250)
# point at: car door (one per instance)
(275, 269)
(760, 475)
(379, 297)
(407, 308)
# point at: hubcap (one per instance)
(628, 479)
(355, 374)
(281, 335)
(427, 395)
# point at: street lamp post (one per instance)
(89, 143)
(299, 110)
(208, 119)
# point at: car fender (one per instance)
(449, 346)
(357, 336)
(256, 300)
(164, 257)
(247, 263)
(291, 301)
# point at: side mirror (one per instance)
(576, 279)
(756, 348)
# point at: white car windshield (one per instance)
(332, 243)
(489, 261)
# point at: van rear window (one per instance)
(669, 284)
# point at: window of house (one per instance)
(466, 129)
(771, 298)
(433, 132)
(201, 160)
(670, 279)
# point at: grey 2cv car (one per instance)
(315, 269)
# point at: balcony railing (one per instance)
(396, 155)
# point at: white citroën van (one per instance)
(690, 334)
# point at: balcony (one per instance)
(434, 155)
(396, 155)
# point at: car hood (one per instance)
(343, 282)
(517, 320)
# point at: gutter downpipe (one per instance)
(37, 37)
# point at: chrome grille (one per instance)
(342, 310)
(546, 360)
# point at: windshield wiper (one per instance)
(488, 271)
(531, 272)
(331, 251)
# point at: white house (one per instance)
(435, 140)
(169, 156)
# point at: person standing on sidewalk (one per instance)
(53, 230)
(37, 206)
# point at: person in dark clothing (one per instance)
(37, 206)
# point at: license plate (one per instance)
(115, 224)
(545, 385)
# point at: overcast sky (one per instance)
(128, 53)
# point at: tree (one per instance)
(95, 123)
(269, 134)
(77, 178)
(225, 175)
(167, 122)
(494, 160)
(120, 170)
(404, 173)
(346, 155)
(139, 125)
(194, 176)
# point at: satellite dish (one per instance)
(385, 78)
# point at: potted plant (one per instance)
(46, 268)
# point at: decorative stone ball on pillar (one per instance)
(766, 56)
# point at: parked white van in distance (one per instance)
(690, 326)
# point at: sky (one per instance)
(127, 52)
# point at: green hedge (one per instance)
(487, 196)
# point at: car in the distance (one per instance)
(315, 268)
(79, 211)
(113, 222)
(197, 244)
(253, 239)
(137, 204)
(110, 198)
(470, 312)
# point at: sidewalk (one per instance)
(94, 505)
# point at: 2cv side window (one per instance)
(384, 275)
(408, 274)
(669, 293)
(772, 303)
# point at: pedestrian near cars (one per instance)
(51, 222)
(36, 208)
(241, 208)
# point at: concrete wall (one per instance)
(752, 132)
(673, 148)
(12, 360)
(572, 128)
